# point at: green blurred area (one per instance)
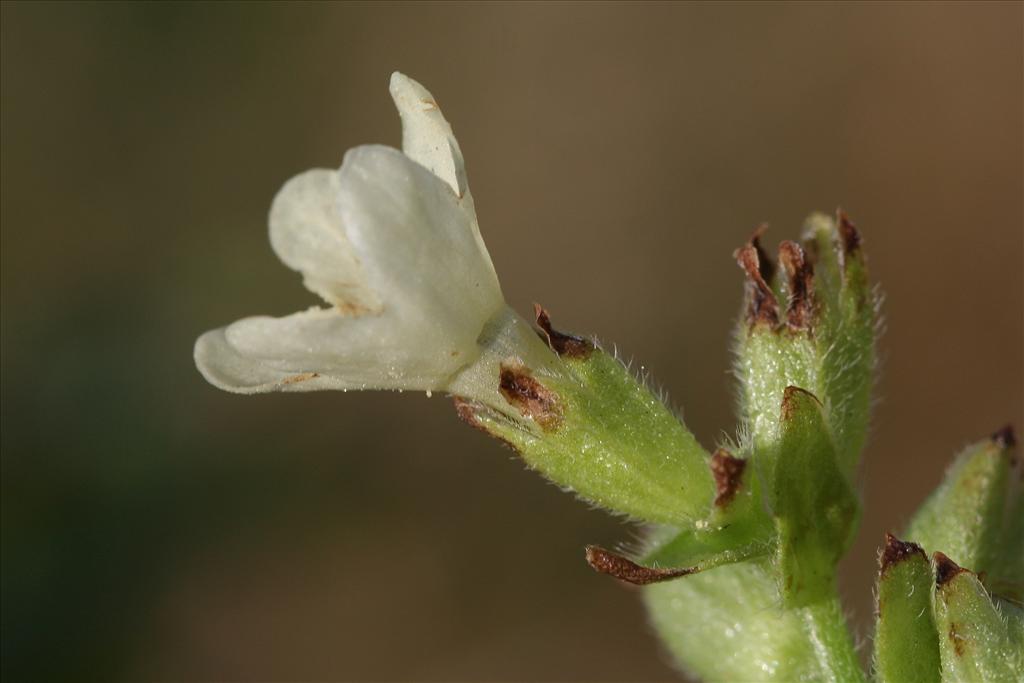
(155, 528)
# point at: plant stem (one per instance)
(830, 640)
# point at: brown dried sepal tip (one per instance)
(896, 551)
(613, 564)
(469, 413)
(849, 238)
(765, 265)
(728, 473)
(531, 398)
(763, 307)
(565, 345)
(800, 275)
(466, 411)
(788, 399)
(1005, 438)
(945, 569)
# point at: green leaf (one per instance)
(976, 640)
(906, 642)
(815, 508)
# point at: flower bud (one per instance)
(967, 519)
(978, 641)
(811, 326)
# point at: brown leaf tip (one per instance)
(848, 234)
(800, 275)
(945, 569)
(728, 473)
(613, 564)
(763, 307)
(530, 397)
(1005, 438)
(897, 551)
(565, 345)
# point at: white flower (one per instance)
(391, 242)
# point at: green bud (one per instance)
(728, 625)
(814, 328)
(978, 640)
(906, 642)
(815, 509)
(966, 517)
(593, 428)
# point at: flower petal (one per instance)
(427, 136)
(307, 234)
(418, 247)
(415, 250)
(320, 349)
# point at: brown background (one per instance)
(155, 528)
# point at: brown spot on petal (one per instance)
(897, 551)
(348, 308)
(566, 345)
(728, 473)
(945, 569)
(529, 396)
(800, 275)
(303, 377)
(613, 564)
(762, 306)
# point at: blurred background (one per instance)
(155, 528)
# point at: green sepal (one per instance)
(815, 508)
(595, 429)
(979, 640)
(966, 517)
(845, 337)
(700, 549)
(736, 529)
(906, 642)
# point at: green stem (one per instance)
(830, 641)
